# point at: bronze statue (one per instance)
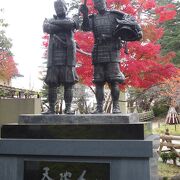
(110, 29)
(61, 56)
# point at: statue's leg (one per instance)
(115, 97)
(68, 96)
(99, 97)
(52, 97)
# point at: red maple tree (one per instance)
(8, 67)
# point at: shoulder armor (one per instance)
(119, 14)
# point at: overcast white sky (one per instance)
(25, 19)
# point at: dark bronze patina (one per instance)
(61, 56)
(110, 29)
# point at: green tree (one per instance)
(5, 42)
(8, 67)
(171, 38)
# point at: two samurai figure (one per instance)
(110, 28)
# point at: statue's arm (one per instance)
(87, 23)
(87, 20)
(69, 24)
(50, 28)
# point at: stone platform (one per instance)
(90, 126)
(106, 147)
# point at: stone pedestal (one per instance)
(79, 119)
(91, 147)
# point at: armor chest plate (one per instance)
(104, 24)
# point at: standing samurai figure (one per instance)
(61, 56)
(110, 28)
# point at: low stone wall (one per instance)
(10, 109)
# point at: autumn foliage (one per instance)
(171, 88)
(8, 67)
(144, 66)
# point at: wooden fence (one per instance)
(146, 116)
(166, 141)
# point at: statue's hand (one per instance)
(52, 21)
(83, 9)
(45, 21)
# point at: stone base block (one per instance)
(77, 131)
(122, 160)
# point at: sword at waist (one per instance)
(60, 40)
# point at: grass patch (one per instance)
(164, 169)
(167, 170)
(172, 130)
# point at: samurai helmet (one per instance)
(60, 7)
